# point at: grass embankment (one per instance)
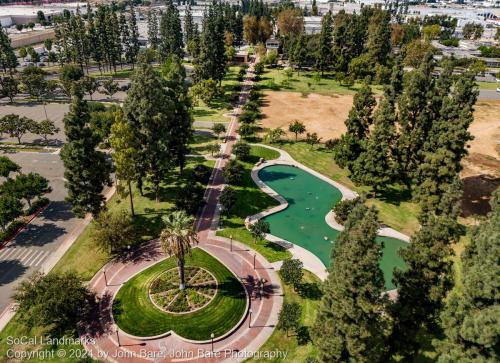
(276, 79)
(223, 104)
(135, 314)
(488, 85)
(251, 200)
(297, 346)
(202, 142)
(85, 259)
(394, 206)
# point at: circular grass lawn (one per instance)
(135, 314)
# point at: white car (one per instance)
(498, 89)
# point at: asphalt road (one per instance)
(487, 94)
(28, 251)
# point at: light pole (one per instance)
(105, 278)
(254, 256)
(231, 242)
(212, 336)
(250, 318)
(118, 337)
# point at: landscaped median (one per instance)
(251, 200)
(135, 313)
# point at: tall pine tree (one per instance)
(86, 169)
(375, 165)
(424, 284)
(150, 109)
(181, 133)
(324, 56)
(352, 324)
(153, 30)
(471, 316)
(170, 41)
(209, 63)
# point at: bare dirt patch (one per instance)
(319, 113)
(326, 114)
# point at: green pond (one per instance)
(303, 222)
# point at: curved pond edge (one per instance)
(172, 332)
(311, 262)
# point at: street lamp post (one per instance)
(231, 242)
(212, 336)
(254, 256)
(105, 278)
(118, 337)
(250, 318)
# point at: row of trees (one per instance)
(13, 190)
(357, 321)
(418, 135)
(33, 82)
(105, 36)
(17, 126)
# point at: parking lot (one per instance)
(44, 234)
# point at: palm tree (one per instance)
(177, 237)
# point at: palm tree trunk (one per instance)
(180, 264)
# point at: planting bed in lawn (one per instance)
(135, 314)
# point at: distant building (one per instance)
(272, 43)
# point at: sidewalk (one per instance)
(247, 337)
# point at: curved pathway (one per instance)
(106, 342)
(311, 262)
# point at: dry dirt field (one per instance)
(326, 115)
(320, 113)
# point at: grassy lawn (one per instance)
(308, 297)
(201, 142)
(17, 330)
(84, 258)
(135, 314)
(251, 200)
(488, 85)
(221, 105)
(275, 79)
(395, 207)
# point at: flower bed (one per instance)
(201, 288)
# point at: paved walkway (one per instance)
(113, 345)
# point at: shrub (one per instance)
(113, 232)
(241, 150)
(227, 199)
(233, 172)
(289, 317)
(343, 208)
(11, 229)
(259, 229)
(291, 272)
(201, 173)
(253, 106)
(259, 68)
(254, 95)
(331, 143)
(247, 130)
(56, 300)
(247, 117)
(190, 198)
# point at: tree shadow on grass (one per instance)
(310, 290)
(395, 195)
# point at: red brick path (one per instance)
(243, 340)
